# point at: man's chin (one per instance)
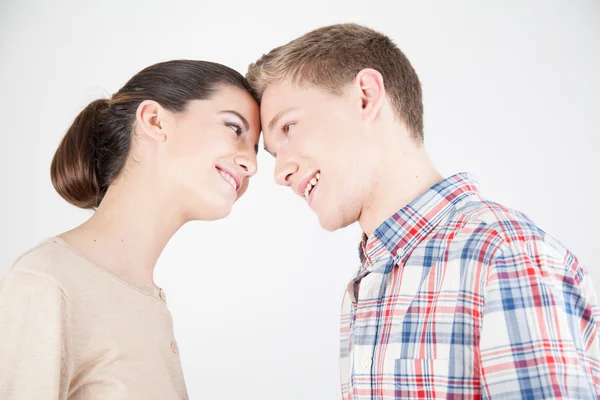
(332, 223)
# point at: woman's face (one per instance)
(210, 153)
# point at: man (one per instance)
(456, 297)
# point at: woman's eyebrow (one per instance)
(240, 116)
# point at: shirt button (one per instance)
(365, 362)
(174, 347)
(400, 252)
(162, 295)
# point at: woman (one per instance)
(80, 315)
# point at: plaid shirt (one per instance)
(461, 298)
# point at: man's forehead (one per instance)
(277, 98)
(275, 94)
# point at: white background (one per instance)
(511, 91)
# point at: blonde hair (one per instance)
(331, 56)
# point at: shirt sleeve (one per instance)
(539, 335)
(33, 338)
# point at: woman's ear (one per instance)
(150, 120)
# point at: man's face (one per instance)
(322, 149)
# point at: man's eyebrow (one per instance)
(240, 116)
(276, 118)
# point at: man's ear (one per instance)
(372, 92)
(150, 119)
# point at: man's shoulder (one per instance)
(491, 218)
(484, 223)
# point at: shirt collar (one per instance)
(402, 232)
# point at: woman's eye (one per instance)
(236, 128)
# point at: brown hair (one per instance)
(331, 56)
(95, 148)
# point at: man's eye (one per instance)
(286, 128)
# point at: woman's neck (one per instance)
(129, 230)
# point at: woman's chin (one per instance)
(213, 211)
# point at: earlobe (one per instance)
(372, 92)
(149, 120)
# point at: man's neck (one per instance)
(402, 177)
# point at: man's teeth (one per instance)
(229, 179)
(311, 184)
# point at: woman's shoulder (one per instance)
(49, 261)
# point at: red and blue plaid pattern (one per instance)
(461, 298)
